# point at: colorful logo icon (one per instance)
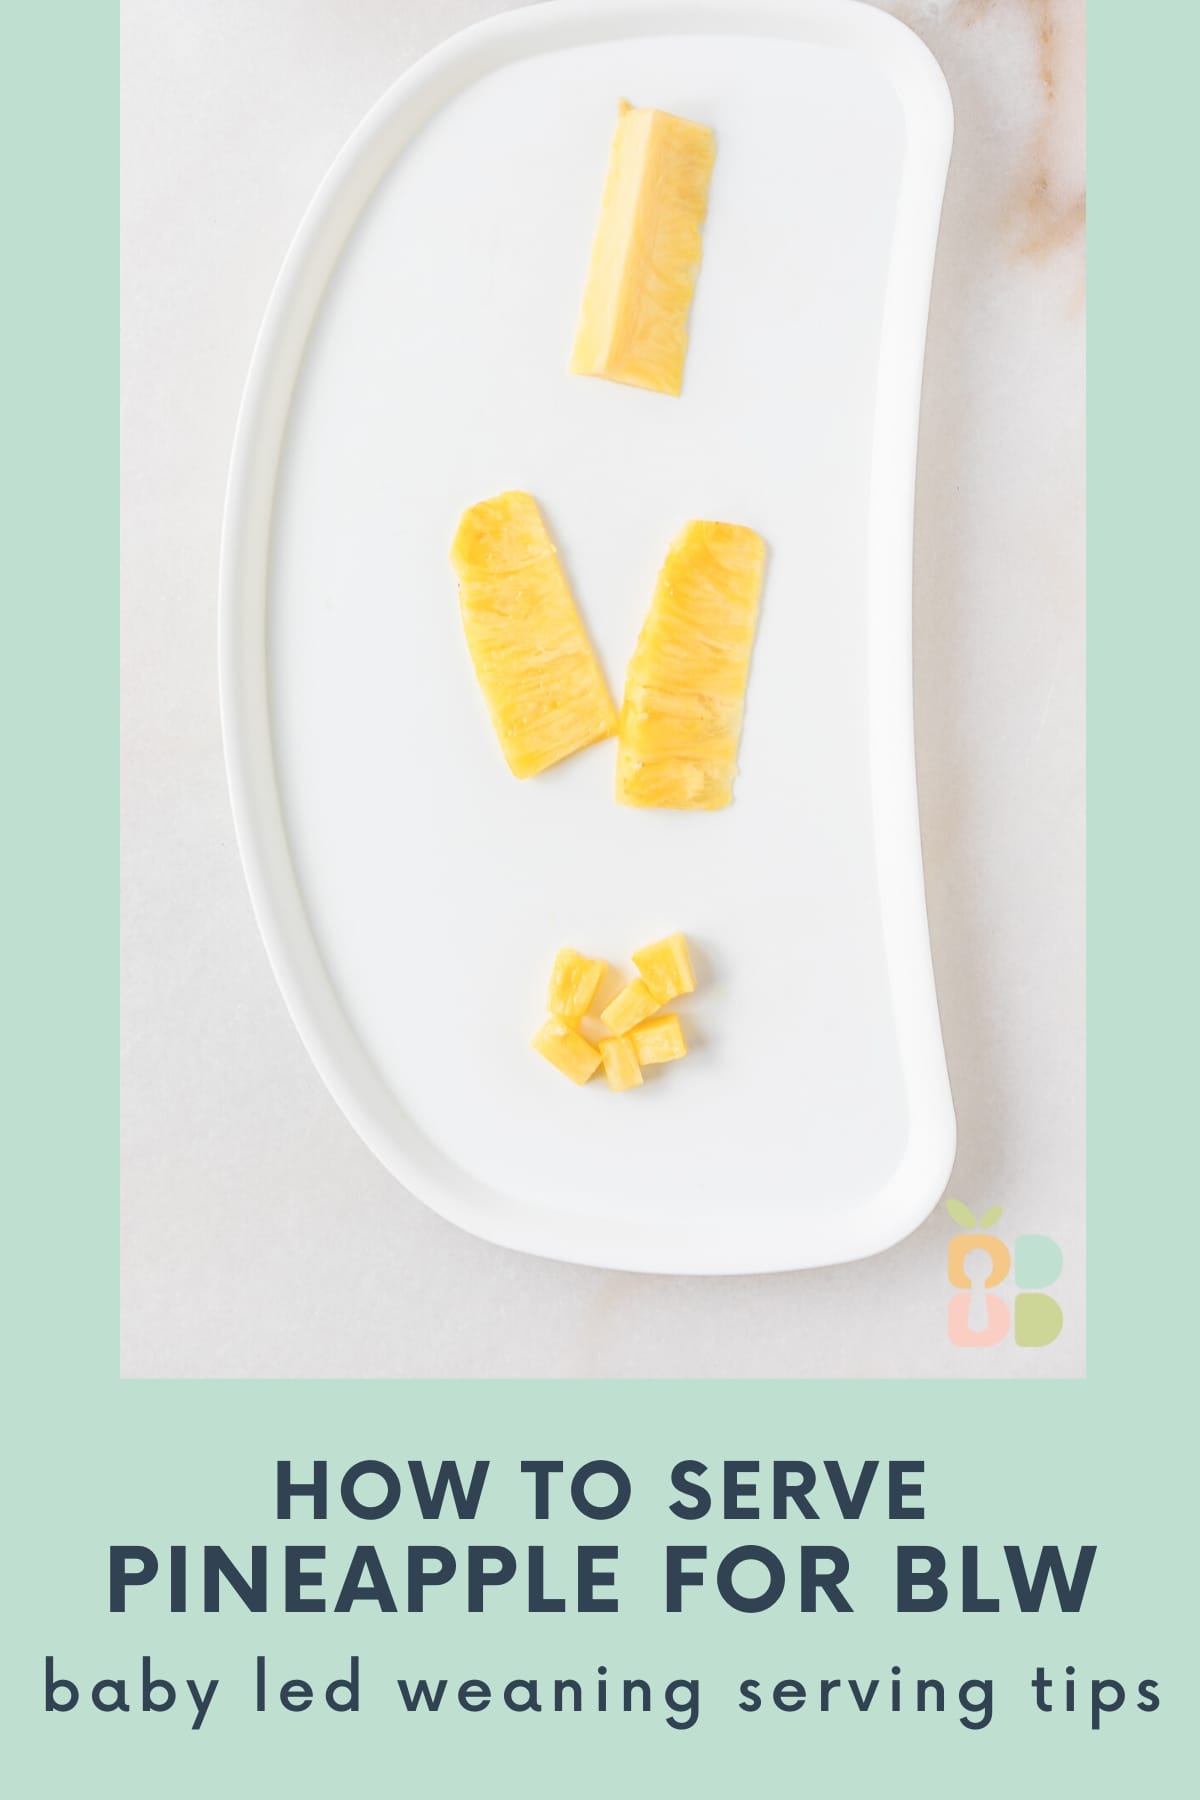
(978, 1261)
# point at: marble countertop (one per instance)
(260, 1238)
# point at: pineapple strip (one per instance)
(646, 252)
(681, 719)
(541, 681)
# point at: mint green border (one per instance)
(91, 1460)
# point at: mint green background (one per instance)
(90, 1460)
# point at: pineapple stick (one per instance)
(646, 253)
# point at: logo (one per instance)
(977, 1261)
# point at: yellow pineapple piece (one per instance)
(666, 968)
(659, 1040)
(562, 1045)
(685, 689)
(573, 983)
(633, 1003)
(621, 1065)
(541, 681)
(646, 252)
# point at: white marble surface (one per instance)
(259, 1237)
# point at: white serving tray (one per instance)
(411, 893)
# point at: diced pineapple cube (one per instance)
(573, 984)
(634, 1003)
(666, 968)
(659, 1040)
(563, 1046)
(621, 1064)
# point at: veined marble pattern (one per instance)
(260, 1238)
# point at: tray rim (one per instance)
(376, 1114)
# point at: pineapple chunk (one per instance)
(646, 252)
(684, 693)
(562, 1045)
(621, 1065)
(541, 681)
(666, 968)
(634, 1003)
(659, 1040)
(573, 984)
